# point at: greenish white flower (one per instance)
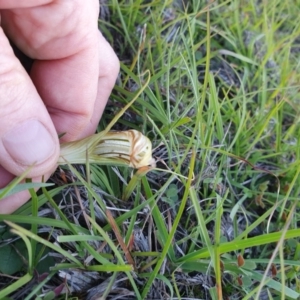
(130, 148)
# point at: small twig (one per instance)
(115, 228)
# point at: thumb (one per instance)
(27, 134)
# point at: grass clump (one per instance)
(218, 217)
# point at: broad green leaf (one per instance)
(10, 260)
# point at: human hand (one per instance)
(73, 73)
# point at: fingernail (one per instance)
(29, 143)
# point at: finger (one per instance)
(27, 135)
(54, 31)
(109, 67)
(6, 4)
(68, 88)
(82, 84)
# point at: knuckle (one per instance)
(111, 69)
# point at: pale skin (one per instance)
(73, 73)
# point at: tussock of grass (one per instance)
(218, 218)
